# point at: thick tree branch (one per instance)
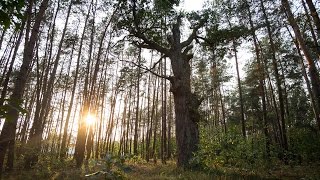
(149, 44)
(155, 64)
(193, 35)
(206, 40)
(148, 70)
(136, 31)
(188, 48)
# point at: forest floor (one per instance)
(168, 171)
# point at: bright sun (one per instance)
(90, 119)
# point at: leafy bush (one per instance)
(304, 145)
(218, 149)
(231, 149)
(111, 167)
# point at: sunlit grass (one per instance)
(170, 171)
(49, 168)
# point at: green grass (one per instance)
(141, 170)
(167, 171)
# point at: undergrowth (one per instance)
(134, 167)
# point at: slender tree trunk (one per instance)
(148, 117)
(38, 125)
(98, 150)
(23, 131)
(170, 119)
(124, 115)
(261, 84)
(137, 119)
(143, 120)
(84, 130)
(3, 32)
(111, 121)
(223, 111)
(65, 132)
(152, 115)
(314, 37)
(61, 132)
(128, 123)
(8, 50)
(313, 72)
(313, 12)
(6, 58)
(155, 118)
(305, 76)
(5, 83)
(164, 114)
(42, 76)
(72, 127)
(240, 90)
(278, 81)
(9, 129)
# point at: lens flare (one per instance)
(90, 119)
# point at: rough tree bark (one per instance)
(186, 102)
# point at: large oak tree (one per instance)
(146, 23)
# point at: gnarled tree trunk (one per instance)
(186, 103)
